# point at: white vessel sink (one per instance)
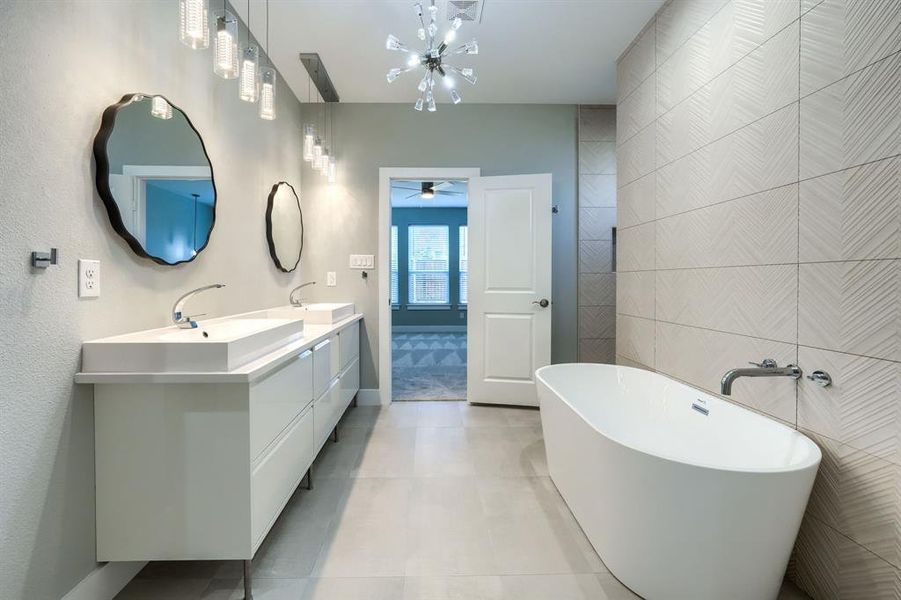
(213, 346)
(326, 313)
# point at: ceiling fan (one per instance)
(428, 189)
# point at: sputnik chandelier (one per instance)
(433, 58)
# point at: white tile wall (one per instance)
(760, 217)
(598, 128)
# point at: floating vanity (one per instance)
(202, 435)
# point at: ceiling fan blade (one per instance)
(412, 195)
(445, 193)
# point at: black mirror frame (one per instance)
(269, 240)
(101, 178)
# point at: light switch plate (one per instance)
(88, 278)
(362, 261)
(331, 279)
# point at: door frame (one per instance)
(383, 257)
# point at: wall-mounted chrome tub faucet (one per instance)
(182, 320)
(765, 368)
(298, 301)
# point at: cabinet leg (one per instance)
(335, 434)
(355, 401)
(248, 582)
(310, 478)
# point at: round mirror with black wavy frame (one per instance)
(155, 178)
(284, 226)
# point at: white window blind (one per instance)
(429, 264)
(464, 263)
(394, 285)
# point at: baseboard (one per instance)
(428, 329)
(104, 582)
(369, 397)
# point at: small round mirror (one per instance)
(155, 179)
(284, 226)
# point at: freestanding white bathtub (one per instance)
(680, 505)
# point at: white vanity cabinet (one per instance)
(199, 466)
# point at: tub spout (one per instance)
(766, 368)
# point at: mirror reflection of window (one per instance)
(160, 180)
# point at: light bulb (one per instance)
(160, 108)
(423, 83)
(392, 43)
(448, 81)
(249, 89)
(393, 74)
(433, 29)
(267, 94)
(309, 138)
(193, 24)
(420, 33)
(450, 36)
(414, 61)
(225, 56)
(430, 99)
(332, 169)
(468, 74)
(455, 97)
(455, 24)
(418, 105)
(317, 153)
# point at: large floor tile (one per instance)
(442, 452)
(353, 588)
(263, 589)
(170, 589)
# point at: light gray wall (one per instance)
(62, 64)
(501, 139)
(760, 217)
(597, 218)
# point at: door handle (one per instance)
(543, 303)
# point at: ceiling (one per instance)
(401, 190)
(531, 51)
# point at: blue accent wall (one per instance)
(170, 222)
(428, 317)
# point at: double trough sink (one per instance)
(215, 345)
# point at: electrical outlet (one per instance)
(88, 278)
(362, 261)
(331, 279)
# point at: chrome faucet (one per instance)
(298, 301)
(182, 320)
(766, 368)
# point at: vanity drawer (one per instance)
(325, 364)
(349, 343)
(350, 384)
(324, 410)
(277, 398)
(277, 474)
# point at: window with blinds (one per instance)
(429, 264)
(464, 263)
(395, 293)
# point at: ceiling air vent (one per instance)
(467, 10)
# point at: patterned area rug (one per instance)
(428, 366)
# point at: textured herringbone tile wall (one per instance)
(759, 216)
(597, 218)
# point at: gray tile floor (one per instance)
(428, 366)
(419, 501)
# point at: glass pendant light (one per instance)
(249, 90)
(193, 24)
(309, 138)
(225, 56)
(267, 95)
(249, 83)
(160, 108)
(332, 169)
(317, 154)
(323, 162)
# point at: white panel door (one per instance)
(509, 325)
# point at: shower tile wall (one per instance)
(597, 218)
(759, 188)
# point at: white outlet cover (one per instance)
(331, 279)
(88, 278)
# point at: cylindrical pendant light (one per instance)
(267, 94)
(160, 108)
(193, 24)
(309, 138)
(249, 83)
(225, 55)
